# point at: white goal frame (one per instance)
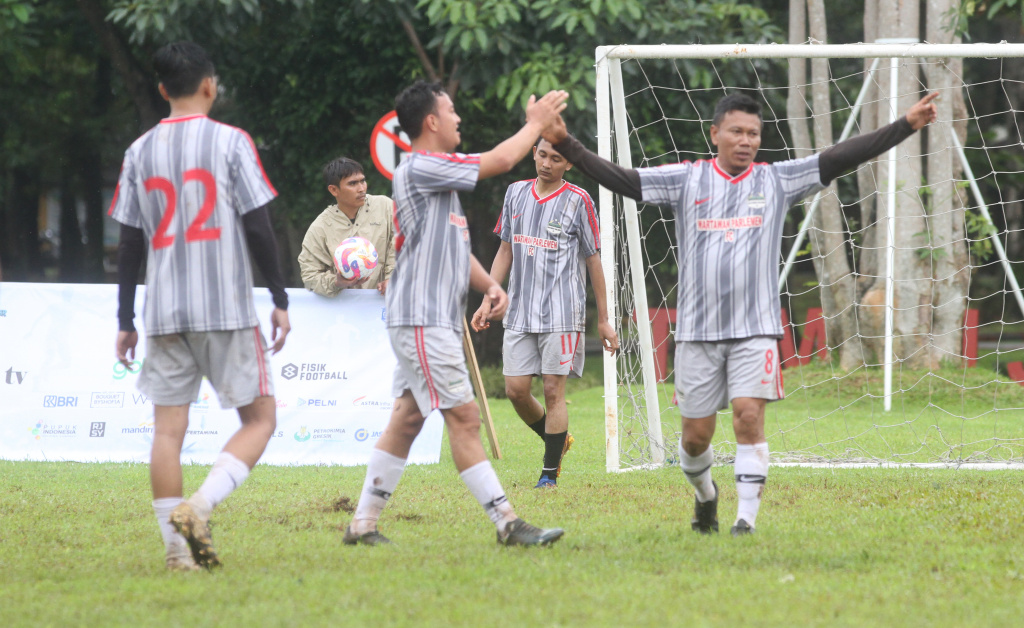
(611, 116)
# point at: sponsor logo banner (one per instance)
(107, 400)
(58, 401)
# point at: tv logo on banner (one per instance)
(15, 377)
(57, 401)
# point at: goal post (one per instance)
(636, 127)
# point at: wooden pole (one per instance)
(481, 392)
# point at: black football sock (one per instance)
(553, 445)
(538, 425)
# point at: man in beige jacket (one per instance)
(356, 213)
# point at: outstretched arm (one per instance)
(847, 155)
(619, 180)
(539, 114)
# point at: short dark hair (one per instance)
(415, 103)
(736, 102)
(181, 67)
(337, 170)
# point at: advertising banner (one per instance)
(64, 395)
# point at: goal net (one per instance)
(903, 315)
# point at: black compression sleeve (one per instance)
(620, 180)
(847, 155)
(263, 248)
(129, 260)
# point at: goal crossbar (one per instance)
(810, 51)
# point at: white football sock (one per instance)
(483, 483)
(751, 474)
(382, 475)
(698, 471)
(162, 508)
(227, 474)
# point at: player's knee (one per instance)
(410, 425)
(517, 393)
(553, 391)
(748, 423)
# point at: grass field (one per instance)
(903, 547)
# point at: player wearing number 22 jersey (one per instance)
(194, 190)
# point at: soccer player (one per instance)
(549, 236)
(355, 213)
(426, 304)
(192, 197)
(729, 217)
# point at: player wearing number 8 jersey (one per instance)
(195, 190)
(729, 213)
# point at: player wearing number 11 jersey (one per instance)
(194, 190)
(549, 240)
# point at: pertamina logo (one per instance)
(57, 401)
(311, 372)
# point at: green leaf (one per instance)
(481, 37)
(21, 13)
(455, 12)
(466, 40)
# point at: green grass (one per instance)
(949, 415)
(906, 547)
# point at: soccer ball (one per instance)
(355, 258)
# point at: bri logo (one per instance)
(55, 401)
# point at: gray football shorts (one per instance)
(432, 364)
(237, 364)
(554, 353)
(711, 374)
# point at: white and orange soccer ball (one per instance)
(355, 258)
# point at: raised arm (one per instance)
(847, 155)
(539, 114)
(624, 181)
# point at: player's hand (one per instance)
(924, 112)
(279, 328)
(544, 111)
(382, 287)
(556, 131)
(125, 346)
(479, 321)
(499, 302)
(609, 339)
(341, 282)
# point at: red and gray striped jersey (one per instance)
(430, 283)
(186, 183)
(729, 236)
(551, 239)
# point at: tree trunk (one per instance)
(138, 82)
(71, 250)
(838, 286)
(950, 273)
(868, 258)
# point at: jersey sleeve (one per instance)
(798, 178)
(664, 185)
(587, 225)
(504, 227)
(440, 172)
(252, 187)
(124, 208)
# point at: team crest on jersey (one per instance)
(756, 201)
(554, 228)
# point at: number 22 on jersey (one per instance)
(196, 230)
